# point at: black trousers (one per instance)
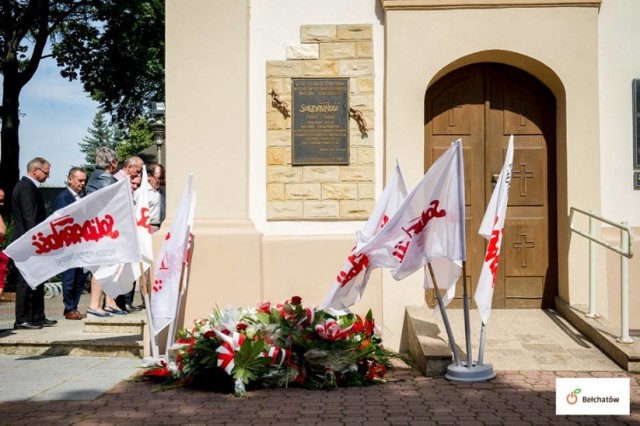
(29, 302)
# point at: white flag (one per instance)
(98, 229)
(118, 279)
(428, 227)
(492, 228)
(352, 278)
(141, 199)
(166, 287)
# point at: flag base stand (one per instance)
(475, 373)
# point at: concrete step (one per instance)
(516, 340)
(107, 337)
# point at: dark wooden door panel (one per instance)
(483, 104)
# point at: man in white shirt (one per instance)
(156, 196)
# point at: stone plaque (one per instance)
(320, 121)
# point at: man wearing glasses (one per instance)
(28, 211)
(155, 196)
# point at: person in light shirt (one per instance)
(156, 196)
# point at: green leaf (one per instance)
(249, 364)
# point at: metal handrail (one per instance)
(625, 250)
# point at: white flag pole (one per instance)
(483, 334)
(144, 292)
(467, 324)
(172, 325)
(443, 312)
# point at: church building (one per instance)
(278, 206)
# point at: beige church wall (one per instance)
(620, 202)
(304, 257)
(207, 99)
(216, 56)
(420, 43)
(618, 31)
(303, 266)
(608, 301)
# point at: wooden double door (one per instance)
(483, 104)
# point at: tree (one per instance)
(114, 47)
(126, 143)
(99, 134)
(138, 137)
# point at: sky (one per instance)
(55, 116)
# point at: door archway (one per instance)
(483, 104)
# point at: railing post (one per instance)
(592, 269)
(624, 288)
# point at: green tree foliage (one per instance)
(99, 134)
(137, 137)
(125, 142)
(114, 47)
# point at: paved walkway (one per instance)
(87, 391)
(514, 397)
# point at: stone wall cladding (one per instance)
(328, 193)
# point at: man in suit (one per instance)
(73, 279)
(28, 211)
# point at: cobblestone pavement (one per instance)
(512, 398)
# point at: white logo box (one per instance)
(595, 396)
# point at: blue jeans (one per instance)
(73, 281)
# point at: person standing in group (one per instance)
(155, 196)
(132, 170)
(4, 260)
(73, 279)
(106, 164)
(28, 211)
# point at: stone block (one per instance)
(312, 174)
(284, 174)
(355, 32)
(284, 69)
(279, 138)
(358, 139)
(284, 210)
(321, 210)
(362, 102)
(276, 121)
(366, 156)
(315, 33)
(364, 49)
(366, 191)
(275, 157)
(302, 191)
(320, 68)
(357, 174)
(339, 191)
(276, 83)
(356, 210)
(275, 192)
(356, 68)
(303, 51)
(341, 50)
(364, 85)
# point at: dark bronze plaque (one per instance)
(320, 121)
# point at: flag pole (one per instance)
(172, 325)
(443, 312)
(144, 292)
(467, 323)
(483, 335)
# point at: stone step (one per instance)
(125, 325)
(107, 337)
(88, 344)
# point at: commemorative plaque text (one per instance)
(320, 121)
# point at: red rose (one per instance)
(209, 334)
(241, 326)
(296, 300)
(265, 307)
